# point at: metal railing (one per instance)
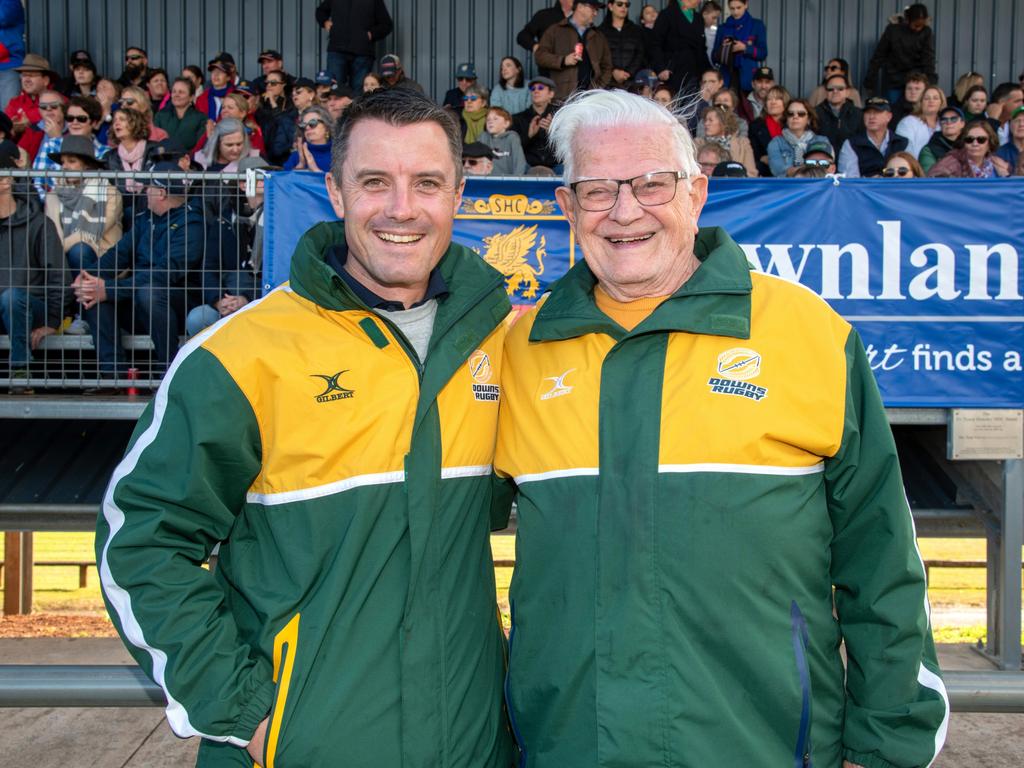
(124, 266)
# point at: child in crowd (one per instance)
(508, 151)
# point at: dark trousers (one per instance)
(349, 69)
(156, 310)
(20, 314)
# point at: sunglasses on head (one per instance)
(901, 171)
(975, 139)
(78, 118)
(313, 122)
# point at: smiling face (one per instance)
(398, 206)
(34, 83)
(496, 123)
(775, 106)
(76, 126)
(180, 95)
(634, 250)
(157, 86)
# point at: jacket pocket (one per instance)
(803, 753)
(286, 644)
(508, 687)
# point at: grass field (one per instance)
(56, 588)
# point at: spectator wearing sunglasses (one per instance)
(951, 125)
(832, 68)
(1012, 151)
(465, 76)
(820, 155)
(477, 159)
(576, 54)
(974, 156)
(473, 115)
(865, 153)
(902, 165)
(134, 97)
(80, 117)
(532, 124)
(136, 67)
(923, 123)
(838, 117)
(51, 107)
(625, 41)
(313, 145)
(277, 117)
(786, 152)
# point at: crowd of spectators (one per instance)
(709, 61)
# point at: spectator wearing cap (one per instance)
(180, 119)
(919, 126)
(504, 143)
(339, 98)
(85, 211)
(353, 27)
(473, 114)
(741, 44)
(166, 242)
(32, 270)
(645, 81)
(23, 109)
(271, 62)
(222, 82)
(313, 146)
(80, 118)
(304, 94)
(729, 169)
(721, 127)
(465, 76)
(974, 156)
(277, 115)
(786, 152)
(575, 54)
(679, 55)
(625, 41)
(477, 159)
(838, 117)
(158, 88)
(866, 152)
(323, 80)
(510, 91)
(762, 81)
(12, 48)
(532, 123)
(393, 74)
(82, 75)
(529, 36)
(951, 125)
(820, 154)
(1012, 151)
(136, 67)
(907, 45)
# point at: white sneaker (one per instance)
(77, 327)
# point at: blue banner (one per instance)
(928, 271)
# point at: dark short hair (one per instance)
(916, 77)
(187, 83)
(844, 65)
(154, 73)
(88, 104)
(138, 48)
(396, 107)
(916, 11)
(841, 76)
(1005, 89)
(518, 82)
(195, 70)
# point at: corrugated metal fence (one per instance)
(432, 36)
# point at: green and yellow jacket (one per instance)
(694, 497)
(349, 488)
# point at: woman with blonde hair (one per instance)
(917, 127)
(721, 128)
(135, 98)
(768, 126)
(964, 83)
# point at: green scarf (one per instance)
(474, 124)
(687, 13)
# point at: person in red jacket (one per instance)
(23, 109)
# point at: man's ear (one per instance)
(459, 190)
(334, 195)
(564, 197)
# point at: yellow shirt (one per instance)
(628, 314)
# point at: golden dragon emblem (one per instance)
(507, 252)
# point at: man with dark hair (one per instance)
(530, 35)
(626, 42)
(866, 152)
(532, 123)
(575, 54)
(838, 116)
(335, 438)
(353, 27)
(271, 62)
(393, 74)
(136, 67)
(1006, 99)
(907, 45)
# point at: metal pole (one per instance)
(48, 517)
(1009, 564)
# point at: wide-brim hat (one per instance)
(33, 62)
(77, 146)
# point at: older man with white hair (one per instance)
(704, 472)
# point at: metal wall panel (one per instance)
(432, 36)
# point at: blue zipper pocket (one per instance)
(508, 687)
(802, 755)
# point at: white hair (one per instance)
(619, 109)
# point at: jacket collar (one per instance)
(714, 301)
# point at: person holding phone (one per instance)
(576, 54)
(740, 46)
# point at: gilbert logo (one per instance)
(480, 371)
(334, 390)
(558, 386)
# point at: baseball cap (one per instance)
(269, 53)
(304, 82)
(389, 65)
(730, 169)
(80, 56)
(323, 77)
(246, 87)
(646, 77)
(763, 73)
(955, 110)
(476, 149)
(171, 180)
(825, 147)
(878, 104)
(542, 81)
(466, 70)
(340, 91)
(222, 61)
(595, 3)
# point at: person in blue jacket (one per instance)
(12, 48)
(313, 152)
(745, 38)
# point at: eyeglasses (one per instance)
(471, 97)
(833, 68)
(834, 88)
(134, 57)
(127, 102)
(313, 122)
(818, 163)
(78, 118)
(620, 4)
(975, 139)
(948, 120)
(796, 114)
(49, 105)
(901, 171)
(537, 87)
(656, 188)
(473, 161)
(465, 79)
(275, 82)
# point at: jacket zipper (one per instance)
(508, 687)
(802, 755)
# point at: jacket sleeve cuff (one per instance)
(258, 707)
(867, 760)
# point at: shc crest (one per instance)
(509, 253)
